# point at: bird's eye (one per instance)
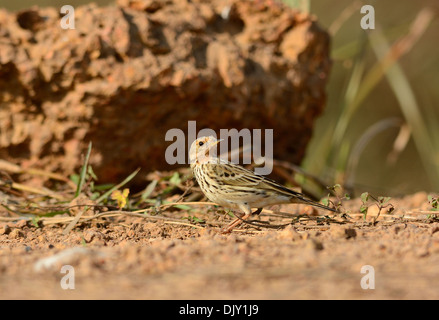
(200, 143)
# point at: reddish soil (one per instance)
(316, 257)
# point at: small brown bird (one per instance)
(235, 187)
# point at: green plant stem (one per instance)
(83, 171)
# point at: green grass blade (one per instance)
(118, 186)
(411, 110)
(302, 5)
(83, 171)
(149, 189)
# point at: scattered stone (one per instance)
(21, 224)
(5, 229)
(419, 199)
(314, 244)
(434, 228)
(350, 233)
(89, 235)
(343, 232)
(398, 227)
(289, 233)
(15, 234)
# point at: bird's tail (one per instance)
(301, 199)
(295, 197)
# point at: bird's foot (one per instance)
(240, 219)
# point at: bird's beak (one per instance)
(218, 141)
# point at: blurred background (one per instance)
(379, 131)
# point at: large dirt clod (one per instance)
(128, 73)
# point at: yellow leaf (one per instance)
(120, 197)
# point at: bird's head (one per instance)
(201, 150)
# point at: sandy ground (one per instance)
(126, 257)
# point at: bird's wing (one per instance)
(235, 175)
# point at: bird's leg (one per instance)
(238, 221)
(257, 212)
(238, 214)
(234, 224)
